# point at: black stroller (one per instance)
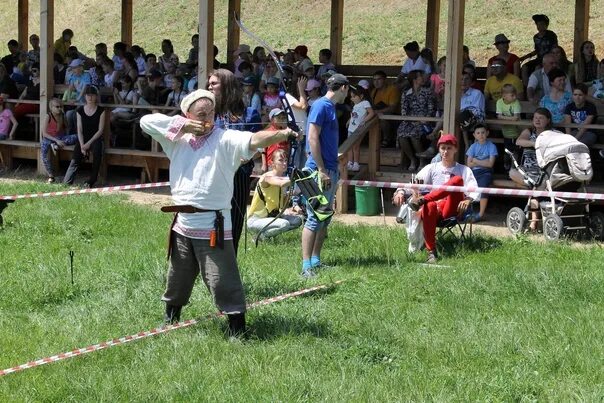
(565, 165)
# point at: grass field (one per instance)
(509, 320)
(374, 31)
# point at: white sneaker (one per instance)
(355, 167)
(54, 147)
(349, 165)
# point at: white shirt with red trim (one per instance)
(201, 170)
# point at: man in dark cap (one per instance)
(545, 40)
(323, 134)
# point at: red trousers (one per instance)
(440, 204)
(25, 109)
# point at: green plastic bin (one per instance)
(366, 200)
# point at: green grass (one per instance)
(510, 320)
(374, 31)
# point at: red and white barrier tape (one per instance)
(82, 191)
(495, 191)
(153, 332)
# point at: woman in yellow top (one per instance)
(269, 199)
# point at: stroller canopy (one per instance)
(552, 146)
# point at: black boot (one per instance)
(236, 325)
(172, 314)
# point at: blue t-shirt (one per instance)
(323, 114)
(556, 108)
(482, 152)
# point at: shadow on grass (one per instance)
(450, 246)
(270, 326)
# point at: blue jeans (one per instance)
(312, 222)
(68, 139)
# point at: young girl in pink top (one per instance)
(6, 120)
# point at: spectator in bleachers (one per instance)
(31, 93)
(168, 55)
(12, 59)
(558, 98)
(512, 66)
(428, 58)
(472, 108)
(33, 56)
(500, 77)
(100, 49)
(123, 94)
(59, 69)
(481, 158)
(270, 70)
(139, 57)
(216, 63)
(361, 113)
(258, 61)
(91, 121)
(385, 99)
(470, 69)
(561, 60)
(192, 84)
(169, 75)
(596, 91)
(325, 61)
(154, 93)
(542, 120)
(78, 79)
(243, 53)
(150, 64)
(544, 41)
(303, 62)
(365, 84)
(193, 52)
(437, 82)
(508, 108)
(129, 66)
(21, 70)
(97, 73)
(251, 97)
(581, 112)
(110, 76)
(418, 100)
(54, 135)
(245, 69)
(585, 70)
(119, 49)
(414, 61)
(8, 88)
(313, 90)
(466, 57)
(176, 95)
(270, 99)
(538, 84)
(64, 42)
(8, 123)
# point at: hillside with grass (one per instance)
(374, 31)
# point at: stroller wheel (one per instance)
(515, 220)
(552, 227)
(596, 225)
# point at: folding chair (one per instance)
(459, 228)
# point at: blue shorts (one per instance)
(484, 178)
(312, 222)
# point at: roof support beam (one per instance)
(336, 31)
(206, 41)
(127, 9)
(47, 16)
(22, 20)
(455, 32)
(432, 25)
(581, 26)
(233, 31)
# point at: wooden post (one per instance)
(455, 32)
(127, 10)
(342, 190)
(432, 23)
(337, 26)
(22, 21)
(47, 11)
(233, 31)
(581, 26)
(206, 41)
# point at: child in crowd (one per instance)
(313, 90)
(169, 74)
(151, 64)
(480, 158)
(251, 98)
(428, 58)
(581, 112)
(110, 77)
(139, 57)
(270, 100)
(508, 108)
(437, 82)
(54, 136)
(6, 120)
(326, 64)
(278, 119)
(269, 199)
(361, 113)
(176, 95)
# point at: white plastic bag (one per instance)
(415, 231)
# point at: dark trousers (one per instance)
(241, 193)
(96, 150)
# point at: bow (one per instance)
(292, 124)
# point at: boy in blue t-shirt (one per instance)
(481, 157)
